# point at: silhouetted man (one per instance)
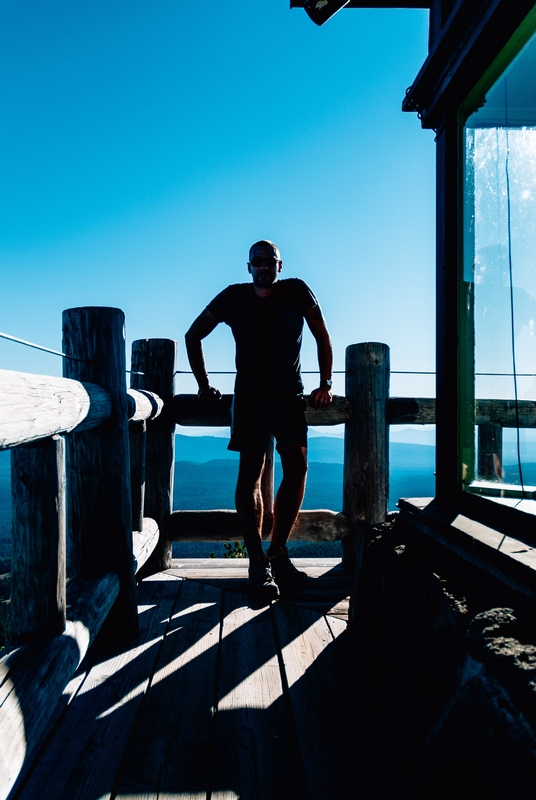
(266, 318)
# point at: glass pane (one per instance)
(500, 261)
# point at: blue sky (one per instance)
(146, 144)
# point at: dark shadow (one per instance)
(217, 717)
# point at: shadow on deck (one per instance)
(220, 698)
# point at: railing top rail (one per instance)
(33, 407)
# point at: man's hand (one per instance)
(321, 397)
(208, 395)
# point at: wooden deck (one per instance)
(219, 697)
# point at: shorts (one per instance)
(257, 414)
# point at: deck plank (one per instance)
(83, 752)
(322, 704)
(167, 755)
(327, 591)
(254, 753)
(206, 709)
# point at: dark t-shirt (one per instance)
(267, 332)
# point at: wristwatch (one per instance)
(326, 384)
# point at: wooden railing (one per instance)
(92, 488)
(76, 549)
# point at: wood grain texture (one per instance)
(156, 359)
(84, 752)
(136, 439)
(35, 676)
(99, 508)
(322, 702)
(366, 443)
(253, 749)
(221, 525)
(169, 752)
(143, 405)
(327, 591)
(37, 406)
(38, 578)
(411, 410)
(187, 410)
(144, 542)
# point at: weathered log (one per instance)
(99, 508)
(503, 412)
(37, 406)
(144, 542)
(136, 437)
(411, 410)
(421, 411)
(490, 448)
(34, 677)
(221, 525)
(187, 410)
(143, 405)
(366, 442)
(38, 549)
(156, 359)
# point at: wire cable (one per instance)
(40, 347)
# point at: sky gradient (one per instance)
(145, 145)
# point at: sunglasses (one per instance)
(258, 261)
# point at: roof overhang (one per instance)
(466, 57)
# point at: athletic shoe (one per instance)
(261, 578)
(284, 572)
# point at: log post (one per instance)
(98, 468)
(366, 444)
(156, 359)
(136, 435)
(267, 490)
(38, 551)
(490, 452)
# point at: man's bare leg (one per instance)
(286, 507)
(248, 501)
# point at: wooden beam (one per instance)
(38, 578)
(144, 542)
(422, 411)
(143, 405)
(366, 442)
(34, 407)
(221, 525)
(187, 410)
(37, 406)
(34, 677)
(99, 509)
(155, 359)
(504, 413)
(411, 410)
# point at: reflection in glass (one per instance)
(500, 261)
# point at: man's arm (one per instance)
(317, 325)
(201, 327)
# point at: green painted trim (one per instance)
(476, 97)
(466, 345)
